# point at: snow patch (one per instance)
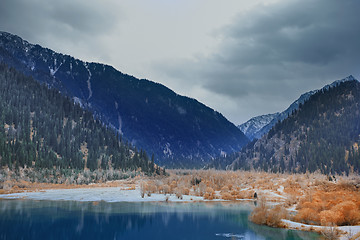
(78, 101)
(222, 154)
(88, 81)
(353, 230)
(181, 110)
(230, 235)
(120, 123)
(55, 69)
(108, 194)
(167, 151)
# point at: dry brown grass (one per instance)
(330, 204)
(24, 186)
(270, 216)
(318, 200)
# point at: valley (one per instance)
(77, 131)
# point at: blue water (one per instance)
(26, 219)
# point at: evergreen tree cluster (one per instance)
(323, 134)
(42, 129)
(180, 131)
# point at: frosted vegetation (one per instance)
(299, 201)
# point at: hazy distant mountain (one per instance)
(258, 126)
(255, 124)
(323, 134)
(179, 130)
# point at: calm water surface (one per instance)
(26, 219)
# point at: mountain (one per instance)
(180, 131)
(322, 135)
(42, 129)
(256, 127)
(252, 127)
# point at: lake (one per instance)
(29, 219)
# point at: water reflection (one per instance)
(20, 219)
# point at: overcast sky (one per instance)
(241, 57)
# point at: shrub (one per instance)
(209, 193)
(307, 215)
(264, 215)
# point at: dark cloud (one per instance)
(264, 59)
(63, 25)
(276, 52)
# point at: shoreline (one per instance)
(293, 193)
(96, 194)
(346, 232)
(113, 194)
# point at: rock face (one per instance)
(323, 134)
(258, 126)
(180, 131)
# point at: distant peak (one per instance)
(349, 78)
(335, 83)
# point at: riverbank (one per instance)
(126, 193)
(308, 198)
(97, 194)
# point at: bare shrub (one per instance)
(264, 215)
(330, 233)
(275, 215)
(7, 185)
(142, 189)
(178, 193)
(258, 215)
(209, 193)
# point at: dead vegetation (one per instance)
(263, 214)
(313, 199)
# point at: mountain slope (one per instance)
(252, 127)
(179, 130)
(40, 128)
(257, 129)
(323, 134)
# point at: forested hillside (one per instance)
(41, 129)
(324, 134)
(180, 131)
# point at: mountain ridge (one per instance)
(322, 135)
(180, 131)
(42, 129)
(253, 123)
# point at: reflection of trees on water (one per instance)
(88, 220)
(65, 220)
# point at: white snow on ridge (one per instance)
(88, 81)
(55, 69)
(255, 124)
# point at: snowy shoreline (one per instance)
(107, 194)
(349, 231)
(119, 194)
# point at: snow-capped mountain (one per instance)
(256, 127)
(180, 131)
(252, 126)
(322, 135)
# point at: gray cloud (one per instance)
(276, 52)
(63, 25)
(259, 63)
